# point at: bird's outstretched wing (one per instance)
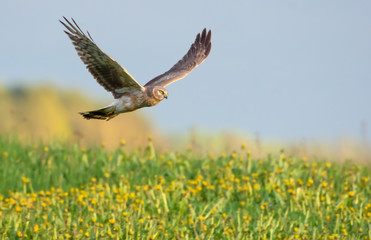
(108, 73)
(198, 52)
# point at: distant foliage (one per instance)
(42, 114)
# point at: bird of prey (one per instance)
(129, 95)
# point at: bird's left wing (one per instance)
(108, 73)
(198, 52)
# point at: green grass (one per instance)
(59, 191)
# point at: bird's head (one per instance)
(159, 93)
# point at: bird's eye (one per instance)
(160, 91)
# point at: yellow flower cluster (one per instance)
(180, 196)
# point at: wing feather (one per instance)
(108, 73)
(197, 53)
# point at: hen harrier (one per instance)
(128, 93)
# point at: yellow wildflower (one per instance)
(67, 235)
(25, 180)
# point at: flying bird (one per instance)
(129, 95)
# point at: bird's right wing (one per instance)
(198, 52)
(108, 73)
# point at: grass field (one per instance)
(63, 191)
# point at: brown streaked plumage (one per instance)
(128, 93)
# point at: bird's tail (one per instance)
(103, 114)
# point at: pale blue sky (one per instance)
(286, 69)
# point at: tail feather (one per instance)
(103, 114)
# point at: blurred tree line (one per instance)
(43, 113)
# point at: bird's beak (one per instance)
(165, 95)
